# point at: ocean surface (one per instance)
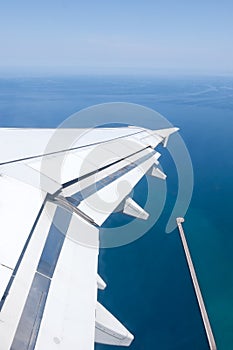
(149, 287)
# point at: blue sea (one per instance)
(149, 286)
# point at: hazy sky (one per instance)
(116, 35)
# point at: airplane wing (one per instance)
(57, 188)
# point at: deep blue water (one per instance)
(149, 288)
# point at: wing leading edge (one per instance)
(50, 231)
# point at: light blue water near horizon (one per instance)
(149, 287)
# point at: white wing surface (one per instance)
(57, 188)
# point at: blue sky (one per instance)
(106, 36)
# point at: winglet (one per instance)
(165, 133)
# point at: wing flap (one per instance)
(106, 173)
(69, 315)
(5, 275)
(104, 201)
(20, 284)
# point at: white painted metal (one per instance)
(23, 143)
(108, 330)
(80, 185)
(19, 206)
(103, 202)
(69, 317)
(72, 164)
(13, 307)
(156, 172)
(100, 283)
(133, 209)
(165, 133)
(5, 275)
(22, 172)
